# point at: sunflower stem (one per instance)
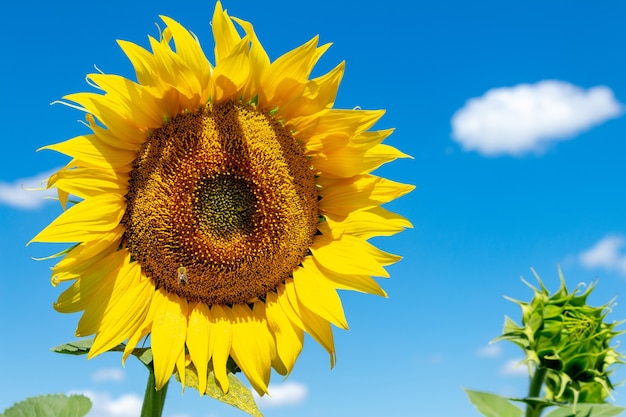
(536, 382)
(153, 400)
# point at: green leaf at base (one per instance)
(587, 410)
(57, 405)
(238, 394)
(491, 405)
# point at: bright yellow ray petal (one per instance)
(95, 281)
(317, 293)
(331, 129)
(232, 74)
(190, 51)
(252, 345)
(85, 221)
(113, 285)
(361, 283)
(169, 331)
(198, 337)
(318, 94)
(289, 338)
(278, 85)
(224, 33)
(351, 160)
(343, 196)
(351, 255)
(80, 259)
(123, 311)
(313, 324)
(144, 64)
(366, 224)
(89, 182)
(259, 61)
(221, 337)
(91, 150)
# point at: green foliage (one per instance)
(50, 406)
(570, 339)
(568, 348)
(491, 405)
(238, 395)
(587, 410)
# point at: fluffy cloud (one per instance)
(489, 351)
(527, 117)
(288, 393)
(26, 193)
(513, 367)
(126, 405)
(607, 253)
(108, 374)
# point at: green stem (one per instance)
(535, 390)
(153, 400)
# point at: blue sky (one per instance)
(513, 112)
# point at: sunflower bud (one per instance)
(567, 339)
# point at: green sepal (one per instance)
(492, 405)
(238, 394)
(57, 405)
(587, 410)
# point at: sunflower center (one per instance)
(222, 205)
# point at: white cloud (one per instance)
(288, 393)
(126, 405)
(24, 193)
(108, 374)
(513, 367)
(490, 351)
(607, 253)
(526, 117)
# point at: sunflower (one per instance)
(220, 207)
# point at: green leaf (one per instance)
(238, 394)
(79, 347)
(50, 406)
(491, 405)
(587, 410)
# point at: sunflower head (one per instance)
(219, 206)
(570, 338)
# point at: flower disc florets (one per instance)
(570, 339)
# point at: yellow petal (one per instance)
(340, 197)
(188, 48)
(365, 224)
(252, 344)
(313, 324)
(318, 94)
(82, 258)
(123, 311)
(231, 74)
(293, 67)
(135, 99)
(143, 62)
(221, 337)
(224, 33)
(89, 182)
(198, 337)
(91, 150)
(351, 255)
(355, 160)
(85, 221)
(97, 280)
(289, 338)
(169, 330)
(317, 294)
(361, 283)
